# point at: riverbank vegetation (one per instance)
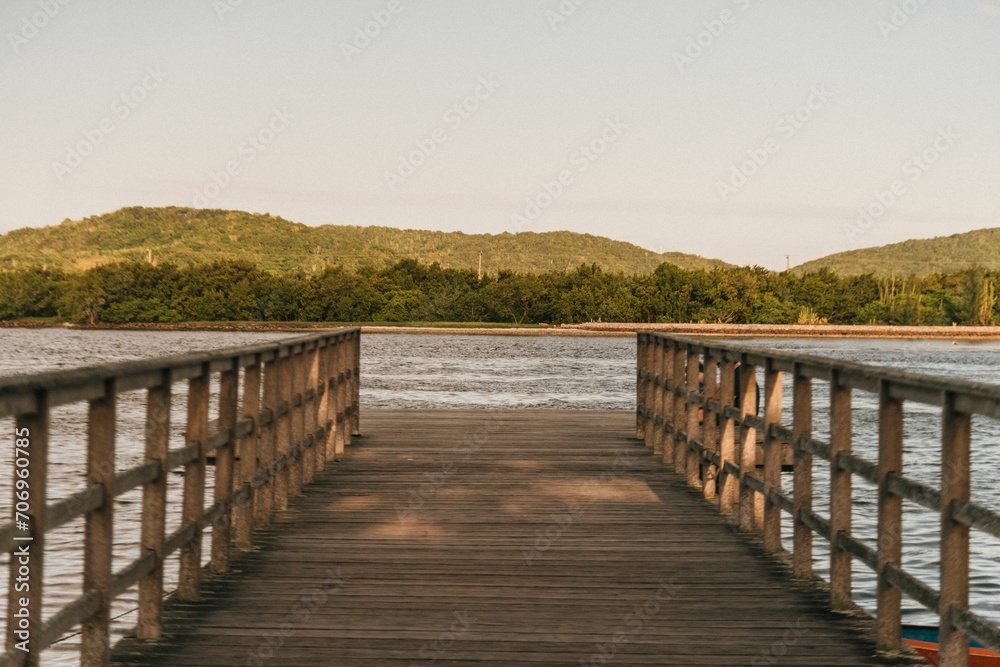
(407, 291)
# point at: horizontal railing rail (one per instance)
(285, 409)
(697, 408)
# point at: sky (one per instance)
(757, 132)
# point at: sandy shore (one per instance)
(620, 329)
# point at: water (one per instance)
(465, 371)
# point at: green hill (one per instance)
(946, 254)
(186, 236)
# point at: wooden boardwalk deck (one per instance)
(503, 538)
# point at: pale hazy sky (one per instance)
(109, 103)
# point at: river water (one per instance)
(468, 371)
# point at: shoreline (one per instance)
(595, 329)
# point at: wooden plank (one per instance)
(555, 538)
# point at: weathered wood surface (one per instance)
(503, 538)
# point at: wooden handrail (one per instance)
(294, 410)
(717, 451)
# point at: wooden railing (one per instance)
(688, 412)
(295, 409)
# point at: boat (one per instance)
(924, 640)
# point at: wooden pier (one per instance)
(486, 537)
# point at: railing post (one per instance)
(748, 445)
(308, 446)
(955, 491)
(318, 461)
(890, 519)
(841, 598)
(356, 378)
(802, 493)
(154, 510)
(31, 433)
(222, 527)
(680, 406)
(95, 643)
(297, 381)
(189, 583)
(729, 486)
(284, 430)
(773, 454)
(693, 461)
(710, 424)
(344, 380)
(666, 406)
(641, 341)
(650, 389)
(264, 506)
(328, 446)
(247, 452)
(654, 434)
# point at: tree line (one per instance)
(409, 291)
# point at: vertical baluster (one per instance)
(264, 507)
(955, 490)
(650, 388)
(154, 510)
(710, 424)
(773, 454)
(312, 415)
(890, 518)
(840, 494)
(680, 406)
(692, 462)
(296, 381)
(729, 487)
(284, 430)
(189, 584)
(802, 495)
(222, 527)
(641, 341)
(356, 377)
(343, 377)
(247, 453)
(655, 439)
(31, 434)
(328, 446)
(666, 408)
(308, 446)
(748, 446)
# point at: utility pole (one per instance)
(480, 266)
